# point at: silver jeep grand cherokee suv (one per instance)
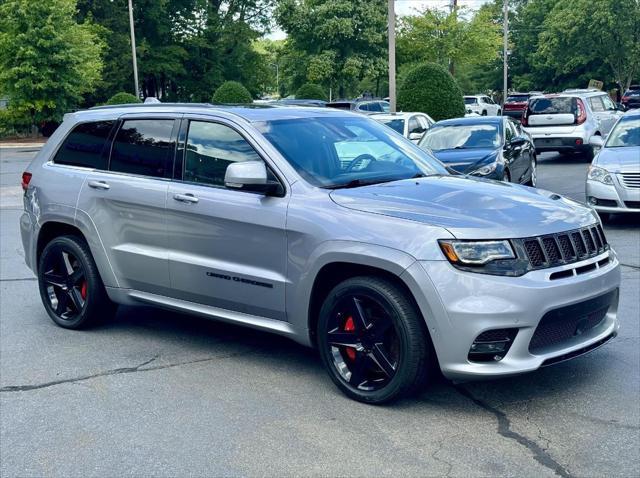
(320, 225)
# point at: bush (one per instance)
(14, 123)
(232, 92)
(430, 88)
(311, 91)
(123, 98)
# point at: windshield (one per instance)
(625, 134)
(461, 136)
(470, 101)
(397, 124)
(346, 151)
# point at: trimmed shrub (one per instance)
(232, 92)
(123, 98)
(311, 91)
(430, 88)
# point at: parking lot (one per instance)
(155, 393)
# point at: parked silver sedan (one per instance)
(613, 181)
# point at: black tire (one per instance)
(506, 176)
(404, 343)
(604, 217)
(588, 154)
(484, 112)
(499, 113)
(70, 286)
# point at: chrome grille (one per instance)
(630, 180)
(563, 248)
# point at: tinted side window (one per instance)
(596, 103)
(414, 126)
(84, 146)
(211, 147)
(142, 147)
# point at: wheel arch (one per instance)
(52, 229)
(333, 273)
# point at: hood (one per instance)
(619, 160)
(470, 208)
(466, 160)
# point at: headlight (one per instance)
(485, 170)
(599, 174)
(476, 253)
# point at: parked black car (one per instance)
(492, 147)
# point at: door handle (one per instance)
(99, 185)
(188, 198)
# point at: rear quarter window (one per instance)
(85, 145)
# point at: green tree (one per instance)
(437, 36)
(430, 88)
(311, 91)
(232, 92)
(342, 39)
(48, 61)
(584, 34)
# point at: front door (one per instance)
(227, 248)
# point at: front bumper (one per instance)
(612, 198)
(462, 305)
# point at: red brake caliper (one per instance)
(83, 290)
(349, 326)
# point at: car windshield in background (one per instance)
(550, 106)
(517, 98)
(397, 124)
(461, 136)
(632, 93)
(470, 101)
(347, 152)
(625, 134)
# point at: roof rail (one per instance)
(153, 105)
(581, 90)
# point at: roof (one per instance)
(398, 115)
(250, 113)
(472, 120)
(632, 113)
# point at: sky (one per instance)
(407, 7)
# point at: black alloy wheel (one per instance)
(70, 286)
(371, 340)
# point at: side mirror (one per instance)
(621, 107)
(517, 141)
(251, 176)
(415, 136)
(596, 141)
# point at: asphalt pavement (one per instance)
(155, 393)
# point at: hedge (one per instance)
(123, 98)
(232, 92)
(430, 88)
(311, 91)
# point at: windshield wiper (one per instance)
(355, 183)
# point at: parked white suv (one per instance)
(482, 104)
(565, 122)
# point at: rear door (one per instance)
(227, 247)
(126, 203)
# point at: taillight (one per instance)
(26, 179)
(582, 112)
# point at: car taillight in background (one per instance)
(581, 117)
(26, 179)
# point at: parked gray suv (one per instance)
(321, 225)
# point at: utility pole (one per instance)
(453, 9)
(505, 52)
(392, 56)
(133, 50)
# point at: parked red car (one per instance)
(516, 104)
